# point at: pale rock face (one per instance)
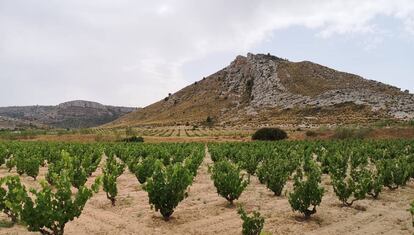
(83, 104)
(72, 114)
(258, 75)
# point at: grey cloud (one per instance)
(128, 52)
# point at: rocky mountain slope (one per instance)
(73, 114)
(7, 123)
(265, 90)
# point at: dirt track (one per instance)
(204, 212)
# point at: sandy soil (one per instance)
(204, 212)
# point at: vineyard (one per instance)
(178, 131)
(153, 134)
(287, 187)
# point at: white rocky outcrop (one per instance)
(258, 75)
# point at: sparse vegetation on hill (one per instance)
(310, 133)
(263, 89)
(351, 133)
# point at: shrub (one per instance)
(395, 172)
(385, 123)
(310, 133)
(193, 163)
(111, 172)
(209, 121)
(307, 191)
(274, 173)
(377, 182)
(252, 225)
(362, 133)
(133, 139)
(323, 158)
(51, 208)
(144, 169)
(90, 160)
(11, 200)
(129, 131)
(99, 137)
(227, 180)
(343, 133)
(350, 178)
(10, 163)
(29, 165)
(269, 134)
(4, 154)
(167, 187)
(249, 161)
(77, 174)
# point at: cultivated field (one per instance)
(209, 134)
(205, 212)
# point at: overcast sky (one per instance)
(134, 52)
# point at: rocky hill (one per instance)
(266, 90)
(7, 123)
(73, 114)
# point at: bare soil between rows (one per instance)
(205, 212)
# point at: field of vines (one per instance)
(181, 131)
(287, 187)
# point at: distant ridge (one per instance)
(266, 90)
(72, 114)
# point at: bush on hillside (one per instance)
(133, 139)
(269, 134)
(310, 133)
(349, 133)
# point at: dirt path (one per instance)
(204, 212)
